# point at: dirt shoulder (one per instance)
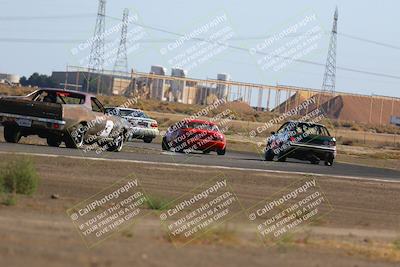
(362, 229)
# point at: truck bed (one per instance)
(26, 107)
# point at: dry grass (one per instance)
(220, 235)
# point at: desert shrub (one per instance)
(157, 203)
(19, 176)
(10, 200)
(347, 124)
(347, 142)
(356, 127)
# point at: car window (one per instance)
(111, 111)
(311, 129)
(283, 128)
(139, 114)
(70, 98)
(324, 131)
(58, 97)
(203, 126)
(96, 105)
(133, 113)
(298, 129)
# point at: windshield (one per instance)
(203, 126)
(132, 113)
(313, 129)
(59, 97)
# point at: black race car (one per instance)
(303, 141)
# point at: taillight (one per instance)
(154, 125)
(56, 125)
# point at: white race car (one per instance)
(143, 127)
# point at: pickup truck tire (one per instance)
(74, 138)
(12, 134)
(54, 141)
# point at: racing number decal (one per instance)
(107, 129)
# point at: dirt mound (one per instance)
(357, 108)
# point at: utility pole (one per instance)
(121, 61)
(96, 59)
(329, 82)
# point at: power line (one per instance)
(266, 54)
(369, 41)
(35, 40)
(90, 15)
(72, 16)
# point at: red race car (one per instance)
(190, 135)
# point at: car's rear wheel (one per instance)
(314, 159)
(54, 141)
(164, 144)
(269, 155)
(75, 137)
(12, 134)
(221, 152)
(147, 140)
(282, 158)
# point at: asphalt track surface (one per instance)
(140, 151)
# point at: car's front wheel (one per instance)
(221, 152)
(164, 144)
(117, 144)
(329, 160)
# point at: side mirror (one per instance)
(272, 132)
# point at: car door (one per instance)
(102, 126)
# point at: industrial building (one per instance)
(10, 79)
(80, 79)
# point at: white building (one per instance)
(157, 85)
(177, 87)
(9, 78)
(222, 90)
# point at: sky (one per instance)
(47, 35)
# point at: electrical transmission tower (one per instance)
(330, 68)
(96, 58)
(121, 61)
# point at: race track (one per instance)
(152, 153)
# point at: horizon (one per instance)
(367, 57)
